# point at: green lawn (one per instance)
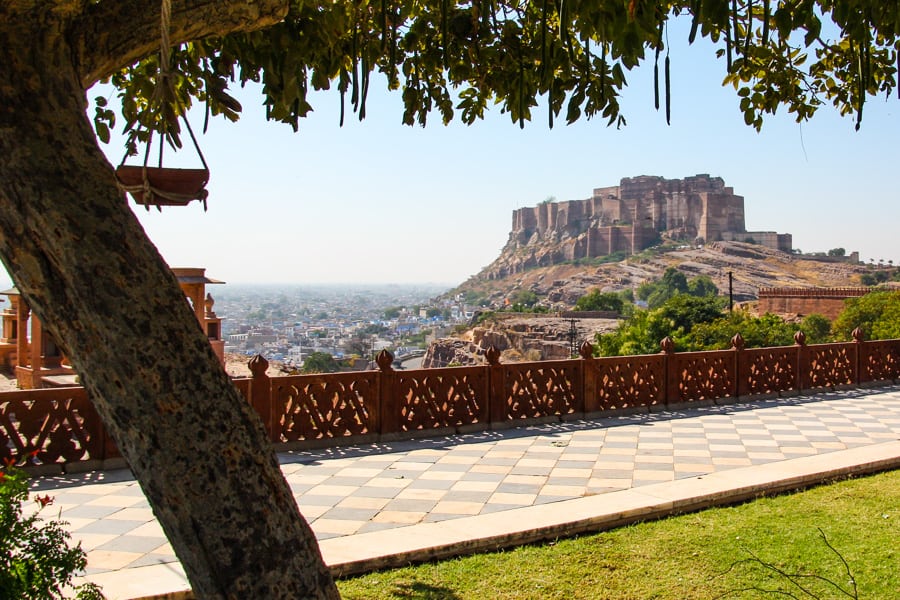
(699, 555)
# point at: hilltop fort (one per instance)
(626, 219)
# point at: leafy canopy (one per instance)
(699, 323)
(598, 300)
(672, 283)
(877, 314)
(320, 362)
(460, 57)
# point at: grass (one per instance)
(702, 555)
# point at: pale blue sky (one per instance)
(381, 202)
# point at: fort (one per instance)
(626, 219)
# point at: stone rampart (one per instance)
(828, 302)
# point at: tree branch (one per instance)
(110, 35)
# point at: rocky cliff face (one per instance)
(518, 338)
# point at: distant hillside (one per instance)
(543, 337)
(752, 266)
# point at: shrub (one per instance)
(36, 561)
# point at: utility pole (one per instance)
(573, 336)
(730, 292)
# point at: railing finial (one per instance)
(384, 360)
(737, 342)
(800, 338)
(858, 335)
(492, 355)
(586, 350)
(258, 365)
(667, 345)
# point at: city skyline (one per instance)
(379, 202)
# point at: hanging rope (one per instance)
(165, 56)
(169, 187)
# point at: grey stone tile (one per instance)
(541, 499)
(350, 514)
(494, 508)
(377, 492)
(111, 527)
(477, 476)
(728, 454)
(467, 496)
(347, 481)
(498, 462)
(300, 488)
(89, 512)
(687, 474)
(149, 560)
(563, 463)
(518, 488)
(438, 517)
(431, 484)
(409, 505)
(531, 470)
(449, 467)
(613, 473)
(374, 526)
(613, 444)
(132, 543)
(567, 480)
(682, 445)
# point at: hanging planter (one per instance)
(161, 186)
(164, 186)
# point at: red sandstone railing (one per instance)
(59, 429)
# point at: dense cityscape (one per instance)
(287, 323)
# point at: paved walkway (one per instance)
(387, 504)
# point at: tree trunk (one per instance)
(84, 264)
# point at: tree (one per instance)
(597, 300)
(837, 252)
(702, 285)
(525, 298)
(83, 263)
(764, 331)
(320, 362)
(672, 283)
(817, 328)
(877, 314)
(642, 332)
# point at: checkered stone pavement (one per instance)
(345, 491)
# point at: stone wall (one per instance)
(828, 302)
(769, 239)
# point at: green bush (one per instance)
(36, 561)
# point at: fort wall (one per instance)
(828, 302)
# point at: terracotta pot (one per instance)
(166, 187)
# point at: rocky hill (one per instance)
(751, 266)
(559, 286)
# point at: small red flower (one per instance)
(9, 461)
(44, 500)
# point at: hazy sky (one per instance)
(378, 201)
